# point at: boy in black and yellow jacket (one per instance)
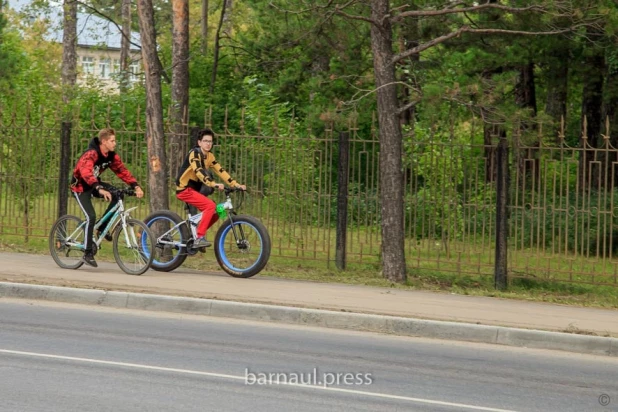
(194, 173)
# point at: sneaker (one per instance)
(108, 236)
(201, 242)
(89, 260)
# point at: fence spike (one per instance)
(41, 117)
(561, 135)
(28, 115)
(123, 122)
(373, 125)
(259, 122)
(208, 117)
(93, 124)
(225, 128)
(138, 121)
(242, 120)
(276, 122)
(291, 127)
(109, 115)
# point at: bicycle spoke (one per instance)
(66, 242)
(133, 247)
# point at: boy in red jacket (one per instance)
(86, 183)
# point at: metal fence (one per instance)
(561, 221)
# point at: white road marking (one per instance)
(243, 378)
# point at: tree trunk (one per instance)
(492, 129)
(557, 87)
(227, 17)
(409, 40)
(592, 100)
(157, 176)
(69, 77)
(125, 46)
(69, 51)
(204, 27)
(391, 176)
(610, 115)
(215, 62)
(525, 92)
(525, 97)
(180, 81)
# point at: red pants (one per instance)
(204, 204)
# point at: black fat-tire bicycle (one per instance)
(242, 243)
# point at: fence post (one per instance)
(502, 189)
(65, 168)
(342, 199)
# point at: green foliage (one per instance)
(291, 174)
(579, 223)
(12, 60)
(314, 63)
(438, 166)
(3, 53)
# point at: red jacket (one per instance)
(92, 163)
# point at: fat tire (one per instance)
(226, 230)
(184, 232)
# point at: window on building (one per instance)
(104, 68)
(88, 65)
(116, 66)
(134, 69)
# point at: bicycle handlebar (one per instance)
(121, 193)
(229, 190)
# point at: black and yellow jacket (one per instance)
(195, 171)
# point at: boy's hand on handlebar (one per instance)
(219, 187)
(241, 187)
(106, 195)
(139, 192)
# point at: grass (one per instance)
(304, 252)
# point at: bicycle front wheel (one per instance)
(133, 246)
(243, 248)
(66, 242)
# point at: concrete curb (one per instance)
(322, 318)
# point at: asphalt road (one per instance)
(57, 357)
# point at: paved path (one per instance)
(39, 269)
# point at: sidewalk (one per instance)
(39, 269)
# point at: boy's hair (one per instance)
(204, 132)
(105, 134)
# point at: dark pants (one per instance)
(84, 200)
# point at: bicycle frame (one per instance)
(192, 221)
(116, 215)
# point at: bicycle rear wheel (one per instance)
(133, 247)
(66, 242)
(242, 249)
(168, 256)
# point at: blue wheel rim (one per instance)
(172, 224)
(223, 255)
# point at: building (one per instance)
(98, 43)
